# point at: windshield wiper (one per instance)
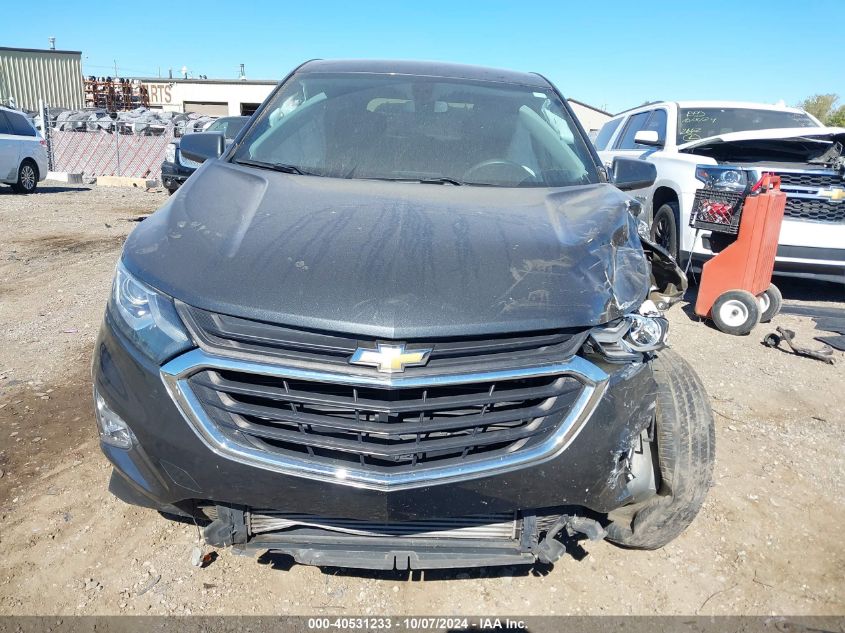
(286, 169)
(439, 181)
(426, 181)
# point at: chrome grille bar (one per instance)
(177, 376)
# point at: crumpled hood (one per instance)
(821, 133)
(392, 260)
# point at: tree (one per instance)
(824, 108)
(837, 118)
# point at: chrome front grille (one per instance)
(804, 200)
(388, 431)
(187, 162)
(384, 429)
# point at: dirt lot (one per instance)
(768, 540)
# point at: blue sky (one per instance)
(608, 53)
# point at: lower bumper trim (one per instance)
(442, 555)
(405, 546)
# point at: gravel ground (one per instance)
(767, 541)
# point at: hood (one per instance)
(820, 133)
(389, 259)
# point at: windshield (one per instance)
(427, 129)
(698, 123)
(230, 126)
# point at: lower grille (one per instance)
(815, 209)
(494, 526)
(384, 429)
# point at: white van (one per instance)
(23, 153)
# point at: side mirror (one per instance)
(632, 173)
(202, 146)
(648, 137)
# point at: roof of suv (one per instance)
(428, 69)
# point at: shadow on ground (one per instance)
(42, 190)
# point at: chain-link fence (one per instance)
(97, 149)
(101, 153)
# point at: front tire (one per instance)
(27, 177)
(686, 452)
(664, 228)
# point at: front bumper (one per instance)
(174, 175)
(172, 468)
(803, 262)
(806, 249)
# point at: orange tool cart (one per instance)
(736, 289)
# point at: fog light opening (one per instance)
(114, 431)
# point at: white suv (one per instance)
(690, 141)
(23, 153)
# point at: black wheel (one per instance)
(664, 228)
(27, 177)
(685, 454)
(770, 303)
(736, 312)
(170, 192)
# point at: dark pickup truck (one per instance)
(406, 320)
(176, 168)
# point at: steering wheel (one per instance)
(497, 170)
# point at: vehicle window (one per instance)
(19, 124)
(635, 124)
(235, 126)
(229, 127)
(606, 132)
(699, 123)
(400, 127)
(5, 127)
(657, 123)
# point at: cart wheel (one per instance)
(736, 312)
(770, 302)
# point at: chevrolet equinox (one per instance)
(407, 319)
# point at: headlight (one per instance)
(627, 338)
(722, 177)
(170, 153)
(147, 317)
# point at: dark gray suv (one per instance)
(406, 320)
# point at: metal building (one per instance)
(30, 74)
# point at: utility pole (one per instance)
(115, 69)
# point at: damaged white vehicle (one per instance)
(728, 145)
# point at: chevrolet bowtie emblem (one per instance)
(390, 358)
(833, 193)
